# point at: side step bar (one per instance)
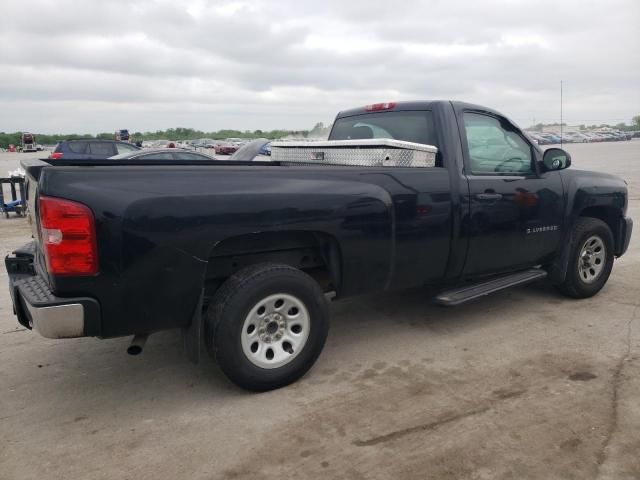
(464, 294)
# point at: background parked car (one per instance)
(592, 137)
(90, 149)
(225, 148)
(553, 138)
(265, 150)
(122, 135)
(208, 143)
(538, 138)
(578, 137)
(163, 154)
(28, 142)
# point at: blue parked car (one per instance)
(554, 139)
(265, 150)
(90, 149)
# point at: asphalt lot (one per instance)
(523, 384)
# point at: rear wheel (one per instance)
(267, 325)
(590, 259)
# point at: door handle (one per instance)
(489, 196)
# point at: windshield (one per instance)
(410, 126)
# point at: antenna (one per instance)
(561, 113)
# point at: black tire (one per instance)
(233, 302)
(574, 285)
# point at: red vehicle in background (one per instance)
(11, 148)
(225, 148)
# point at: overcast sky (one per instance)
(89, 66)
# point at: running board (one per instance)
(464, 294)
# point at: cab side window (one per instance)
(494, 149)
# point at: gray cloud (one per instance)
(96, 66)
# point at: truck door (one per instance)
(515, 214)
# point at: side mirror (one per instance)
(556, 159)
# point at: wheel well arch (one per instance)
(610, 215)
(314, 252)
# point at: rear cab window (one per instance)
(409, 126)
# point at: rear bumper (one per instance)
(39, 309)
(58, 321)
(626, 227)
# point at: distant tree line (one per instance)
(171, 134)
(14, 138)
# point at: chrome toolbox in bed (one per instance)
(378, 152)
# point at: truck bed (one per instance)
(162, 226)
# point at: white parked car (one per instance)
(577, 137)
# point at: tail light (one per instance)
(68, 236)
(55, 156)
(376, 107)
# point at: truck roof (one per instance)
(414, 105)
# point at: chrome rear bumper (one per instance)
(58, 321)
(39, 309)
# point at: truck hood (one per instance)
(596, 177)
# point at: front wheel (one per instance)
(590, 258)
(267, 325)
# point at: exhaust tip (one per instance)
(137, 344)
(134, 350)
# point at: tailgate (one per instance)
(33, 169)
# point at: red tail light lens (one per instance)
(376, 107)
(68, 236)
(55, 156)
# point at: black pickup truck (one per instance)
(244, 255)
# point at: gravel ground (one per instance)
(522, 384)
